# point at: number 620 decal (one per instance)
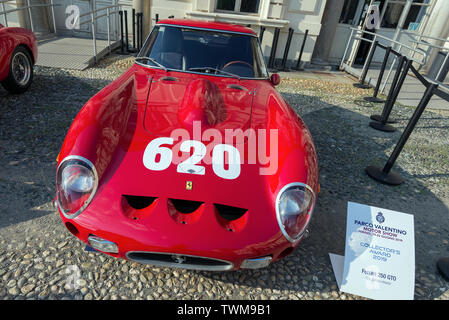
(190, 165)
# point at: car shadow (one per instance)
(32, 129)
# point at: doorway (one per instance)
(365, 46)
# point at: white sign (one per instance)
(379, 261)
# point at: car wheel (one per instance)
(20, 71)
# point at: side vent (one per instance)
(232, 219)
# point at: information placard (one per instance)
(379, 261)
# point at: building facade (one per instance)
(329, 24)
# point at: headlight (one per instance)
(76, 184)
(294, 206)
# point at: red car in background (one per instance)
(18, 54)
(191, 158)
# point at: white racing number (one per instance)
(218, 161)
(154, 149)
(190, 165)
(158, 158)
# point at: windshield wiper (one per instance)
(216, 70)
(153, 61)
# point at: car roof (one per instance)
(220, 26)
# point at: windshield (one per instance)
(212, 52)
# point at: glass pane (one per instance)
(251, 6)
(348, 12)
(211, 52)
(415, 14)
(392, 15)
(226, 5)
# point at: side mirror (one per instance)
(275, 79)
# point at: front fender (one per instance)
(297, 158)
(103, 124)
(11, 38)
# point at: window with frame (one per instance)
(348, 12)
(239, 6)
(393, 11)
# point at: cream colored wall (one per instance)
(166, 8)
(302, 15)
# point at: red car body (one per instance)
(10, 39)
(115, 127)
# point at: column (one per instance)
(329, 22)
(144, 6)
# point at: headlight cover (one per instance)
(76, 184)
(294, 206)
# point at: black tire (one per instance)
(20, 73)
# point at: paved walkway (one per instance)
(69, 52)
(337, 76)
(411, 92)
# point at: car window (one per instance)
(212, 52)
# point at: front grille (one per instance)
(174, 260)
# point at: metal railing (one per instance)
(28, 7)
(372, 41)
(419, 42)
(94, 17)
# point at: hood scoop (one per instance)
(180, 102)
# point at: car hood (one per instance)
(118, 126)
(197, 103)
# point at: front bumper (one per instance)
(195, 247)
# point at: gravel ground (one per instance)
(40, 259)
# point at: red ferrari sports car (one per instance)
(18, 54)
(191, 158)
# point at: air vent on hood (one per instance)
(232, 219)
(229, 213)
(185, 206)
(237, 87)
(169, 78)
(138, 202)
(185, 211)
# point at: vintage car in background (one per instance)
(191, 158)
(18, 54)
